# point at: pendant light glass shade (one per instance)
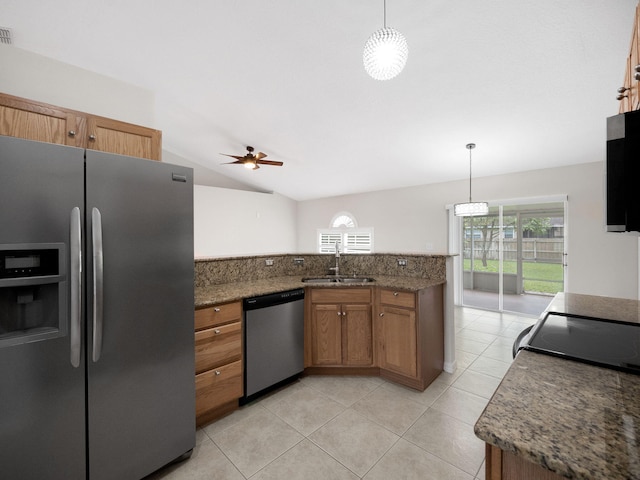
(385, 54)
(386, 51)
(470, 209)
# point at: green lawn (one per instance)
(538, 277)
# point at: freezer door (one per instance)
(141, 385)
(42, 400)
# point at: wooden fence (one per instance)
(543, 250)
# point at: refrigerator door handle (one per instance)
(98, 264)
(75, 244)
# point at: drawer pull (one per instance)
(216, 331)
(395, 294)
(216, 309)
(217, 372)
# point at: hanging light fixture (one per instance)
(385, 53)
(470, 209)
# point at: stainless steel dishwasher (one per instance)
(273, 341)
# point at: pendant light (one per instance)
(385, 53)
(470, 209)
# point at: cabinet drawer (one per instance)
(218, 386)
(218, 345)
(218, 315)
(397, 298)
(341, 295)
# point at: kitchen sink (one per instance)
(338, 280)
(356, 280)
(319, 280)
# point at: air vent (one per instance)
(5, 36)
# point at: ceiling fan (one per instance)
(252, 161)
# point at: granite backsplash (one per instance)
(216, 271)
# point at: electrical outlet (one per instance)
(268, 262)
(402, 262)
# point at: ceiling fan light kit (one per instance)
(385, 53)
(470, 208)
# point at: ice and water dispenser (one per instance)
(33, 292)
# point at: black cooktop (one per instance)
(605, 343)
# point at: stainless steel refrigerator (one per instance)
(96, 313)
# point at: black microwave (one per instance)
(622, 202)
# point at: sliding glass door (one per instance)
(513, 258)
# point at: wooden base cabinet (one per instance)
(31, 120)
(502, 465)
(339, 327)
(218, 342)
(409, 330)
(398, 343)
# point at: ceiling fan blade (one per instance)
(231, 163)
(270, 162)
(232, 156)
(260, 155)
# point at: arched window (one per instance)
(345, 233)
(343, 220)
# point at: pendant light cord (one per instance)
(469, 175)
(384, 22)
(470, 146)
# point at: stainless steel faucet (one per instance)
(336, 269)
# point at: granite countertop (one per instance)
(228, 292)
(580, 421)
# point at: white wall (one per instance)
(29, 75)
(407, 219)
(227, 222)
(234, 222)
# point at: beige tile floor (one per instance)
(323, 427)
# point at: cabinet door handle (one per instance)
(344, 314)
(395, 294)
(72, 133)
(339, 313)
(382, 314)
(92, 137)
(216, 309)
(216, 331)
(217, 372)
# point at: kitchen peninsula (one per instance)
(556, 418)
(388, 317)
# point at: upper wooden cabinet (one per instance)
(630, 99)
(31, 120)
(109, 135)
(37, 121)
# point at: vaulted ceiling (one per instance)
(530, 82)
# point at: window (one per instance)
(344, 230)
